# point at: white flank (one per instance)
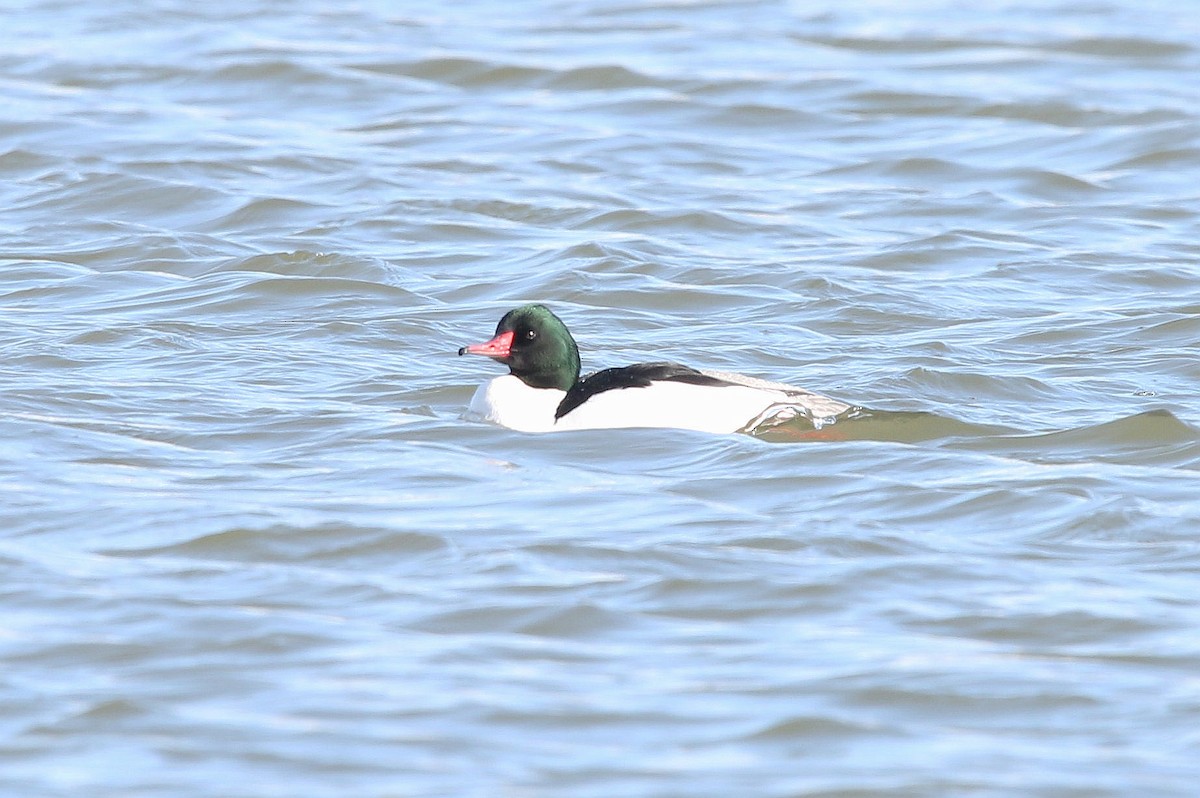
(673, 405)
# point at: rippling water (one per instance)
(250, 547)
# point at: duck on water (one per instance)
(543, 392)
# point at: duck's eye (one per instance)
(529, 335)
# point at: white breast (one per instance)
(511, 403)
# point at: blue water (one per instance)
(249, 546)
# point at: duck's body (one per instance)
(543, 392)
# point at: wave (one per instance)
(1152, 438)
(861, 424)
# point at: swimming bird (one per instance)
(543, 392)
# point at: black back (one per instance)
(640, 375)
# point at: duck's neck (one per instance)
(562, 374)
(563, 382)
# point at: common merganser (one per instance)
(543, 392)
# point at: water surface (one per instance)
(250, 546)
